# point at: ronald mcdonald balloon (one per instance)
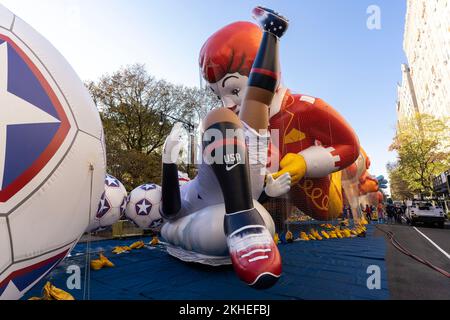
(310, 140)
(52, 161)
(216, 218)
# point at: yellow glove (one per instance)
(295, 165)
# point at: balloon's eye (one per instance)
(236, 92)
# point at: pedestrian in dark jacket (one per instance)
(390, 210)
(368, 212)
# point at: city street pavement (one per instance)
(409, 279)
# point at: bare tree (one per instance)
(138, 111)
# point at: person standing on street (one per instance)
(368, 212)
(380, 213)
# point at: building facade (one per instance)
(427, 47)
(441, 184)
(407, 102)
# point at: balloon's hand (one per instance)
(278, 187)
(295, 165)
(173, 144)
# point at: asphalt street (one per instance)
(410, 279)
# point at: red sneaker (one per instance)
(255, 256)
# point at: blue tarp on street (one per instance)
(329, 269)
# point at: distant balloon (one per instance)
(52, 160)
(380, 197)
(382, 182)
(112, 205)
(143, 206)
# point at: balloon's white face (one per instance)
(230, 90)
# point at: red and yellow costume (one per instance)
(367, 183)
(313, 130)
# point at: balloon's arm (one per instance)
(294, 165)
(339, 145)
(275, 187)
(171, 196)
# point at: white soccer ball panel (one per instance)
(6, 17)
(94, 225)
(48, 190)
(14, 53)
(20, 282)
(115, 191)
(143, 206)
(111, 206)
(81, 103)
(58, 213)
(5, 247)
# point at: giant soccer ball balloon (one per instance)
(143, 206)
(112, 205)
(52, 162)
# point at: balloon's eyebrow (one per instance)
(225, 80)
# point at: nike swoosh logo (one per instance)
(232, 167)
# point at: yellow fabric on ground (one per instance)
(101, 262)
(304, 236)
(316, 235)
(50, 292)
(347, 233)
(106, 262)
(289, 237)
(155, 241)
(311, 237)
(119, 250)
(96, 264)
(325, 234)
(137, 245)
(276, 238)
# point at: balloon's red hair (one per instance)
(231, 49)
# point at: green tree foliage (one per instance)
(138, 112)
(399, 187)
(423, 147)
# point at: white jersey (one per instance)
(204, 190)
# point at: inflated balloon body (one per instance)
(52, 161)
(380, 196)
(201, 235)
(360, 186)
(367, 184)
(350, 184)
(309, 138)
(382, 182)
(143, 206)
(112, 205)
